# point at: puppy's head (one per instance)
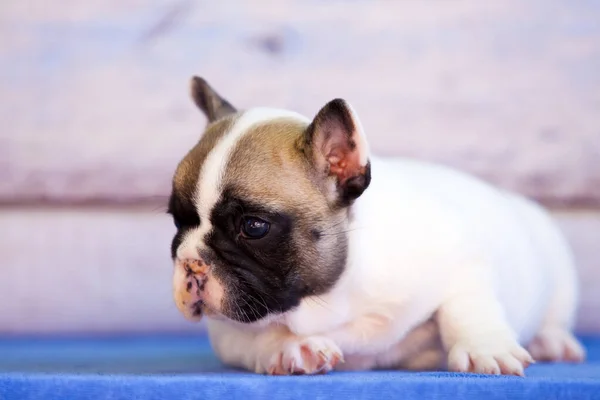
(263, 201)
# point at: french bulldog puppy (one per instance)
(306, 253)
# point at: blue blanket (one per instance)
(181, 368)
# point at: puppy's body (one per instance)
(427, 268)
(444, 238)
(407, 259)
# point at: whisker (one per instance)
(242, 312)
(342, 232)
(261, 301)
(252, 309)
(332, 226)
(260, 291)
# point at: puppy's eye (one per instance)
(177, 223)
(254, 228)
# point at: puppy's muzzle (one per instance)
(196, 291)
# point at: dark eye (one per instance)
(177, 224)
(254, 228)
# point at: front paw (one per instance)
(313, 355)
(500, 356)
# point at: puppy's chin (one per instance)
(250, 323)
(247, 309)
(237, 318)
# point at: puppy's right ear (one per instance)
(209, 101)
(338, 149)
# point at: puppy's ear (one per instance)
(337, 147)
(209, 101)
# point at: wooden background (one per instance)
(95, 115)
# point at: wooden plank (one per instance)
(99, 270)
(95, 105)
(92, 272)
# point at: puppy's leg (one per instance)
(420, 350)
(274, 350)
(554, 341)
(474, 332)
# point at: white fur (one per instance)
(426, 242)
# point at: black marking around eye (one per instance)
(183, 211)
(261, 269)
(184, 216)
(270, 275)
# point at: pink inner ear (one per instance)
(344, 161)
(338, 142)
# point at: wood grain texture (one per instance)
(94, 104)
(93, 270)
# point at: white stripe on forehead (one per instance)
(210, 181)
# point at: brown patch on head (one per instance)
(268, 166)
(188, 170)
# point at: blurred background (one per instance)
(95, 114)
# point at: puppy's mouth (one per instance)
(199, 292)
(200, 309)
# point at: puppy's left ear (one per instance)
(209, 101)
(339, 151)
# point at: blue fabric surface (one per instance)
(185, 368)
